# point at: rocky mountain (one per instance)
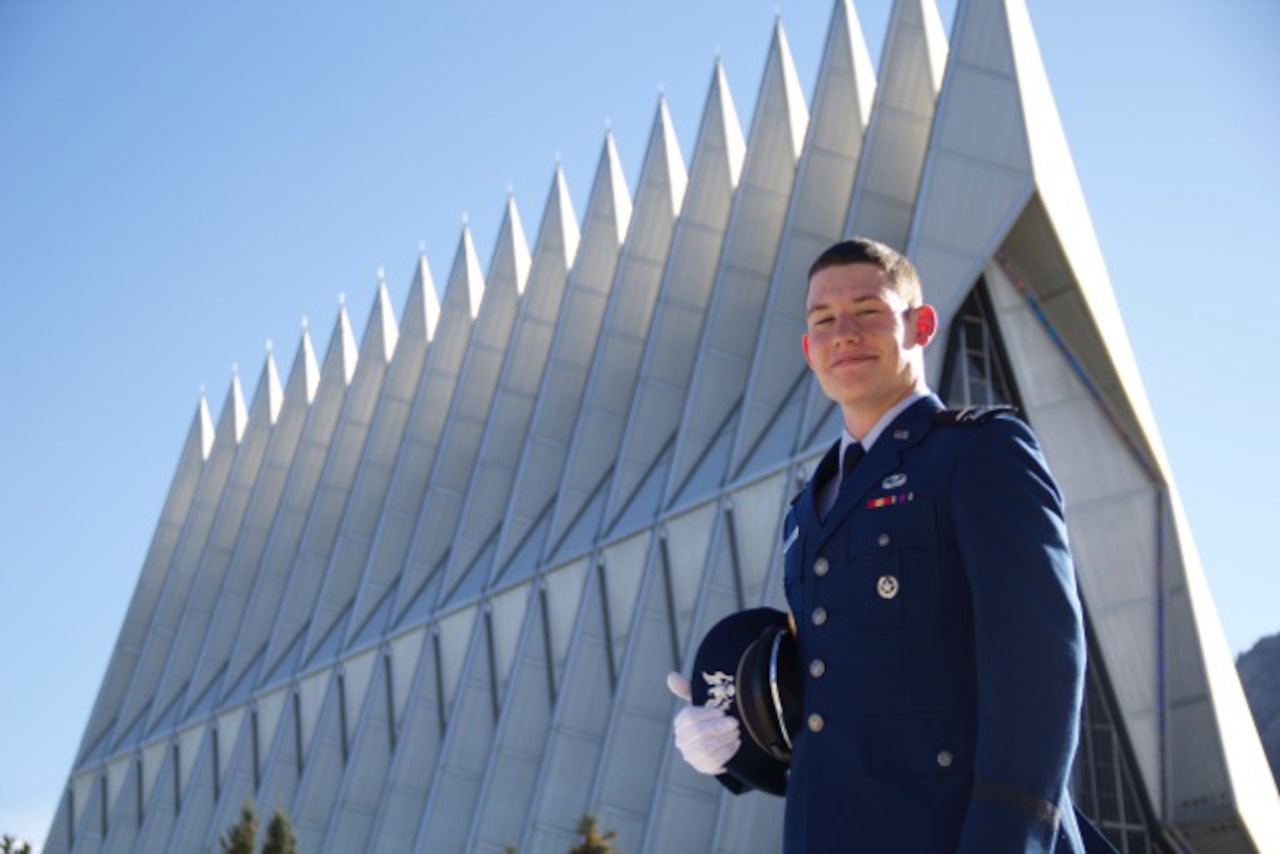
(1259, 670)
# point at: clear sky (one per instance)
(180, 182)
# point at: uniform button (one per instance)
(883, 540)
(887, 587)
(945, 758)
(816, 723)
(820, 567)
(816, 668)
(819, 615)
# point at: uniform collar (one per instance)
(908, 428)
(869, 440)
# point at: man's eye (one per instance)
(822, 321)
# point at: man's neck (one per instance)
(861, 421)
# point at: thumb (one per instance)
(679, 686)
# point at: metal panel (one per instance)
(324, 746)
(469, 409)
(491, 478)
(508, 785)
(181, 575)
(243, 562)
(819, 201)
(214, 560)
(401, 801)
(884, 192)
(297, 609)
(288, 526)
(417, 453)
(671, 343)
(454, 786)
(600, 424)
(173, 515)
(577, 327)
(747, 260)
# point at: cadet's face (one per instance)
(863, 342)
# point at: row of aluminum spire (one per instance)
(436, 501)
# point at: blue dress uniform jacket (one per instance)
(940, 635)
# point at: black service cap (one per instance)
(748, 665)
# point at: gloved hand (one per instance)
(706, 737)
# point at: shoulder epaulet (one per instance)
(796, 498)
(970, 416)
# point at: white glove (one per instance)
(706, 737)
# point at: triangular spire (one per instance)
(380, 333)
(819, 200)
(668, 165)
(720, 118)
(526, 356)
(304, 374)
(745, 268)
(345, 340)
(615, 199)
(511, 260)
(788, 86)
(616, 361)
(670, 348)
(234, 412)
(467, 265)
(469, 409)
(560, 217)
(204, 424)
(465, 287)
(915, 55)
(306, 367)
(537, 473)
(270, 380)
(422, 308)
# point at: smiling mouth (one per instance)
(851, 360)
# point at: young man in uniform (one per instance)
(933, 600)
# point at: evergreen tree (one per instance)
(280, 838)
(9, 845)
(238, 839)
(593, 842)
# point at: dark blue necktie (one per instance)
(852, 456)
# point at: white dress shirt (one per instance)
(828, 491)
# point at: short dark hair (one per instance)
(863, 250)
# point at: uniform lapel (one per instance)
(807, 506)
(884, 458)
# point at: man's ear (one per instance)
(926, 325)
(804, 339)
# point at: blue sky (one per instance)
(181, 182)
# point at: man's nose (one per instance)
(847, 326)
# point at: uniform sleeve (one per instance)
(1028, 634)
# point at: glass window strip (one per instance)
(608, 628)
(342, 717)
(492, 653)
(439, 660)
(387, 677)
(664, 556)
(217, 765)
(734, 564)
(177, 778)
(548, 649)
(257, 754)
(297, 731)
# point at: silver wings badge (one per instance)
(720, 690)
